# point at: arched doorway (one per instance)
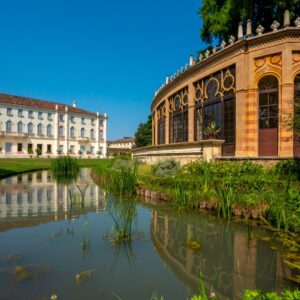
(297, 115)
(268, 116)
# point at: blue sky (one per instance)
(108, 55)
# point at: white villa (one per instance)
(30, 126)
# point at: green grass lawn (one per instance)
(12, 166)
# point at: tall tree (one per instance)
(143, 135)
(221, 17)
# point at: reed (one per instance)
(64, 165)
(123, 213)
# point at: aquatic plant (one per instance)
(123, 213)
(30, 271)
(65, 169)
(84, 276)
(64, 164)
(227, 195)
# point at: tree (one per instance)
(221, 17)
(143, 135)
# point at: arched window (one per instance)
(296, 122)
(92, 133)
(20, 127)
(268, 116)
(49, 130)
(82, 132)
(72, 132)
(8, 126)
(61, 131)
(40, 129)
(30, 129)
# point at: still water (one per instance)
(46, 248)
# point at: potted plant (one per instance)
(59, 152)
(79, 153)
(1, 149)
(70, 152)
(88, 153)
(30, 152)
(38, 152)
(212, 130)
(98, 153)
(48, 152)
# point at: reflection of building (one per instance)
(36, 194)
(121, 145)
(231, 102)
(229, 262)
(51, 128)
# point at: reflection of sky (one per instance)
(37, 193)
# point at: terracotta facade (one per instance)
(245, 90)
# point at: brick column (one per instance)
(191, 112)
(246, 125)
(286, 104)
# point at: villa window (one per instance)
(101, 135)
(49, 116)
(72, 132)
(61, 131)
(40, 129)
(30, 129)
(49, 130)
(101, 122)
(49, 148)
(30, 114)
(179, 116)
(72, 119)
(297, 113)
(8, 126)
(92, 133)
(61, 118)
(20, 127)
(72, 149)
(161, 123)
(9, 111)
(92, 122)
(20, 147)
(214, 114)
(20, 113)
(82, 121)
(40, 115)
(30, 148)
(82, 132)
(268, 116)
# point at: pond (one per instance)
(48, 248)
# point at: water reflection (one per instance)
(38, 194)
(229, 261)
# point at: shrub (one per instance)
(120, 164)
(167, 167)
(290, 167)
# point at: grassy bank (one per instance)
(231, 188)
(12, 166)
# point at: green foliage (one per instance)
(167, 167)
(221, 17)
(289, 167)
(64, 164)
(259, 295)
(143, 135)
(123, 213)
(118, 177)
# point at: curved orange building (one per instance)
(235, 101)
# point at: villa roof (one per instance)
(40, 104)
(127, 140)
